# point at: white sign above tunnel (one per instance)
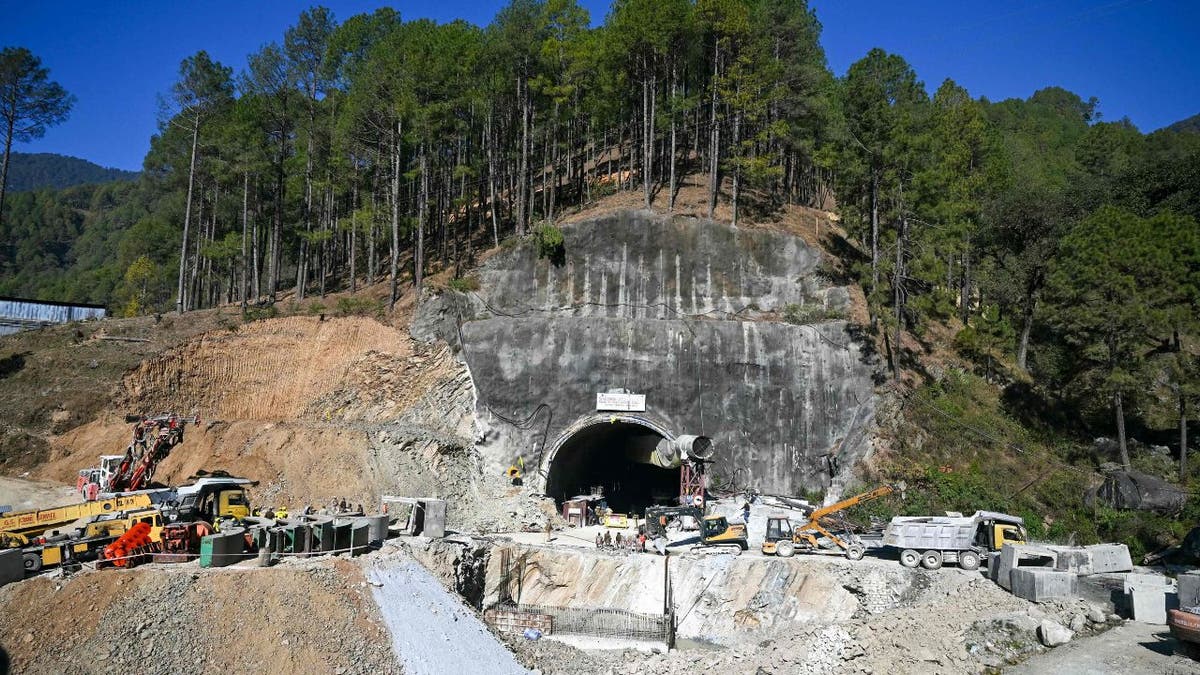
(621, 402)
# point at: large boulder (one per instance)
(1053, 634)
(1134, 490)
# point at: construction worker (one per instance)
(746, 513)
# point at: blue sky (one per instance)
(1137, 56)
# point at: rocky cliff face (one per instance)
(684, 311)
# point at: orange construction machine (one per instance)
(814, 536)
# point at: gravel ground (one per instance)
(1130, 649)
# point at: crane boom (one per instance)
(881, 491)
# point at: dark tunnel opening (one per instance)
(607, 456)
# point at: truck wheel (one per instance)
(968, 560)
(33, 562)
(910, 558)
(855, 551)
(931, 560)
(785, 549)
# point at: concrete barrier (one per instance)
(1013, 556)
(378, 528)
(1189, 589)
(222, 549)
(322, 533)
(12, 566)
(341, 537)
(1039, 584)
(360, 537)
(1110, 558)
(1150, 596)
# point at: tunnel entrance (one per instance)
(612, 456)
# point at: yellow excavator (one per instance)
(715, 530)
(783, 539)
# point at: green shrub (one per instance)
(814, 313)
(353, 306)
(315, 307)
(260, 313)
(549, 241)
(464, 284)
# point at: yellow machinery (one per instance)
(82, 545)
(16, 529)
(784, 540)
(715, 530)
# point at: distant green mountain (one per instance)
(34, 171)
(1191, 124)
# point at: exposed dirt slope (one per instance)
(288, 619)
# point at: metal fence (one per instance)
(602, 622)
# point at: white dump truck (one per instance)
(930, 541)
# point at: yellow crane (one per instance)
(17, 528)
(784, 540)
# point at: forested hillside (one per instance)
(1058, 251)
(40, 170)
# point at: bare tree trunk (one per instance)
(187, 213)
(1120, 410)
(1026, 330)
(523, 177)
(714, 178)
(354, 232)
(737, 168)
(874, 230)
(1183, 437)
(245, 233)
(395, 217)
(898, 299)
(490, 141)
(422, 209)
(674, 94)
(255, 246)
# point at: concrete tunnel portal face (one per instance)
(611, 456)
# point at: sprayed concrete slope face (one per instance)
(720, 599)
(684, 311)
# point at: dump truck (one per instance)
(715, 530)
(815, 535)
(931, 541)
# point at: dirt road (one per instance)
(1130, 649)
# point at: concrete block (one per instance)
(12, 566)
(1150, 605)
(341, 537)
(225, 548)
(322, 532)
(1110, 558)
(378, 528)
(1039, 584)
(1074, 560)
(1146, 581)
(434, 518)
(360, 537)
(1189, 590)
(1013, 556)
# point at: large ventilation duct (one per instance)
(670, 454)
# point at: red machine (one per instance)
(153, 438)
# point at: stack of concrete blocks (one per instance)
(1040, 573)
(1013, 556)
(1150, 596)
(12, 566)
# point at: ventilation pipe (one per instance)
(686, 448)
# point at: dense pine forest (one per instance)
(1061, 246)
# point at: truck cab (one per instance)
(213, 498)
(998, 529)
